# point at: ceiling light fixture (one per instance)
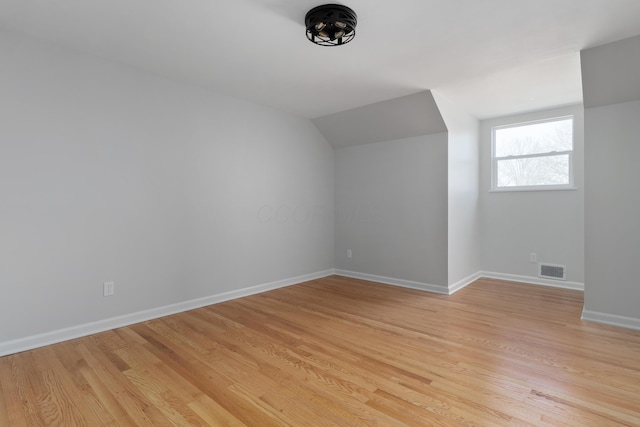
(331, 25)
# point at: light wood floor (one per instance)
(344, 352)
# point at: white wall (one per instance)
(391, 204)
(548, 223)
(463, 193)
(612, 229)
(110, 173)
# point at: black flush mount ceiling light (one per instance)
(331, 25)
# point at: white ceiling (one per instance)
(493, 57)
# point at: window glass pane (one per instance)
(549, 170)
(534, 138)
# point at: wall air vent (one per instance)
(552, 271)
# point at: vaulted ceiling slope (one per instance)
(397, 118)
(611, 73)
(492, 57)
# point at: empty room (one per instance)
(290, 213)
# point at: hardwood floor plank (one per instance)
(106, 378)
(117, 414)
(214, 414)
(27, 387)
(212, 377)
(63, 398)
(341, 352)
(13, 413)
(4, 412)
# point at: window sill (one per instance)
(529, 189)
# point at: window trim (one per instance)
(554, 187)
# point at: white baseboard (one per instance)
(48, 338)
(611, 319)
(393, 281)
(576, 286)
(463, 283)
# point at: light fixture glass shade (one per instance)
(331, 25)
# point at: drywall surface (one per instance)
(463, 191)
(612, 209)
(548, 223)
(611, 73)
(391, 209)
(612, 202)
(108, 173)
(397, 118)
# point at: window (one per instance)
(533, 156)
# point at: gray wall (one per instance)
(463, 192)
(548, 223)
(611, 80)
(612, 229)
(391, 204)
(109, 173)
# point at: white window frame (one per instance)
(494, 159)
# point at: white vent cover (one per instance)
(552, 271)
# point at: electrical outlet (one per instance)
(109, 288)
(533, 257)
(349, 253)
